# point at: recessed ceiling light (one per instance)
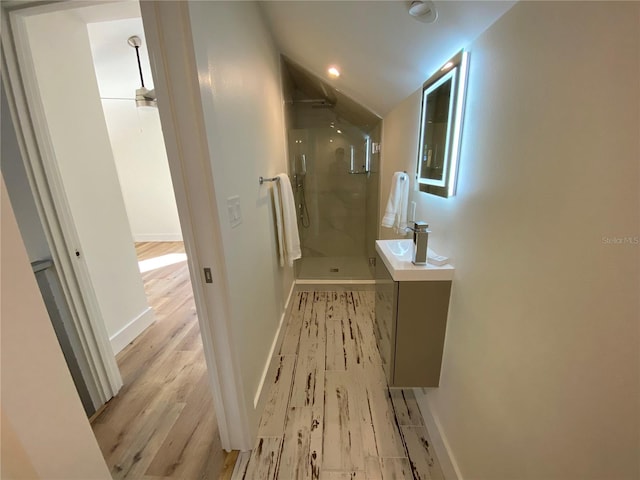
(424, 11)
(333, 72)
(339, 131)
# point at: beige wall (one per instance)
(44, 429)
(541, 375)
(15, 462)
(239, 76)
(75, 122)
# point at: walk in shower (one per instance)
(334, 167)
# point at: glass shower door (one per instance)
(330, 172)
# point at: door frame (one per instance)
(103, 378)
(170, 45)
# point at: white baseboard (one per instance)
(260, 396)
(157, 237)
(131, 330)
(438, 438)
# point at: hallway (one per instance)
(329, 414)
(162, 424)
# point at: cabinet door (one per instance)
(384, 326)
(421, 325)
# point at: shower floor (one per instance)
(338, 268)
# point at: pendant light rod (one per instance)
(144, 96)
(139, 65)
(135, 42)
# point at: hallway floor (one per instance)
(330, 414)
(161, 425)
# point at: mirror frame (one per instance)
(456, 69)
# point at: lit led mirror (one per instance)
(441, 126)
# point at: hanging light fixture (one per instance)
(144, 96)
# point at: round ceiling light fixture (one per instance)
(333, 72)
(423, 11)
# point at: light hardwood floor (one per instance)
(330, 414)
(162, 424)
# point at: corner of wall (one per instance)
(131, 330)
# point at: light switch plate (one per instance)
(233, 207)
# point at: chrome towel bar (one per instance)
(261, 180)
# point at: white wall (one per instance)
(239, 74)
(540, 374)
(135, 133)
(143, 169)
(44, 431)
(67, 85)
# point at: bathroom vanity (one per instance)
(412, 304)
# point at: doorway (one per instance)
(162, 422)
(173, 433)
(88, 187)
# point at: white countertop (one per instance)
(396, 255)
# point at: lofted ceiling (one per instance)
(383, 53)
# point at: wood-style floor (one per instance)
(330, 414)
(162, 425)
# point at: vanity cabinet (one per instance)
(410, 325)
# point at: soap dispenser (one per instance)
(420, 240)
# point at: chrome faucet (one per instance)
(420, 240)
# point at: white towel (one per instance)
(277, 204)
(396, 212)
(286, 221)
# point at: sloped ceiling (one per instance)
(383, 53)
(307, 87)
